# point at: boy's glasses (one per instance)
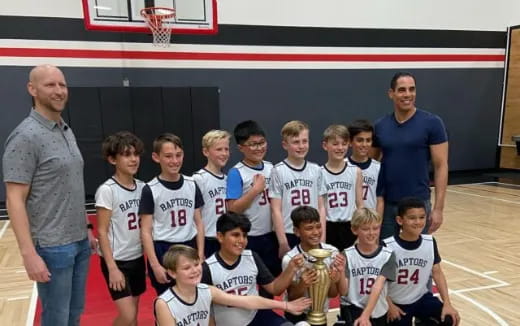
(256, 145)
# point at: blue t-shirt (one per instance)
(234, 184)
(406, 154)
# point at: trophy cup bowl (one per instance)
(319, 290)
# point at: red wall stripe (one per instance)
(157, 55)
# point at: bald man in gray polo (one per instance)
(43, 173)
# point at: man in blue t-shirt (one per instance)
(409, 139)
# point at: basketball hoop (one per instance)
(159, 20)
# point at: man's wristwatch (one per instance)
(90, 226)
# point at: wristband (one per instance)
(90, 226)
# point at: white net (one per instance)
(159, 21)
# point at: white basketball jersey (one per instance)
(309, 260)
(123, 230)
(295, 187)
(340, 191)
(173, 211)
(362, 273)
(189, 314)
(240, 280)
(213, 189)
(414, 268)
(259, 213)
(370, 177)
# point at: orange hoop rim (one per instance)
(150, 12)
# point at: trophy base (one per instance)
(317, 318)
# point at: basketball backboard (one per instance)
(192, 16)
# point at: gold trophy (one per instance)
(319, 290)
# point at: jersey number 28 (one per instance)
(300, 197)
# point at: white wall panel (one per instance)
(414, 14)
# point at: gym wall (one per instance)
(274, 61)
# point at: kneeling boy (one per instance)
(236, 270)
(369, 266)
(418, 259)
(308, 228)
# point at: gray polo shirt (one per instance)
(44, 154)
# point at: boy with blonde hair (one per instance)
(169, 210)
(294, 182)
(369, 266)
(343, 187)
(212, 184)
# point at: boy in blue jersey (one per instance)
(247, 192)
(211, 181)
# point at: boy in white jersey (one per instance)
(369, 266)
(308, 229)
(117, 204)
(361, 134)
(418, 259)
(247, 192)
(169, 209)
(212, 184)
(343, 188)
(188, 303)
(294, 182)
(238, 271)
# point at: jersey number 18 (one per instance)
(181, 218)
